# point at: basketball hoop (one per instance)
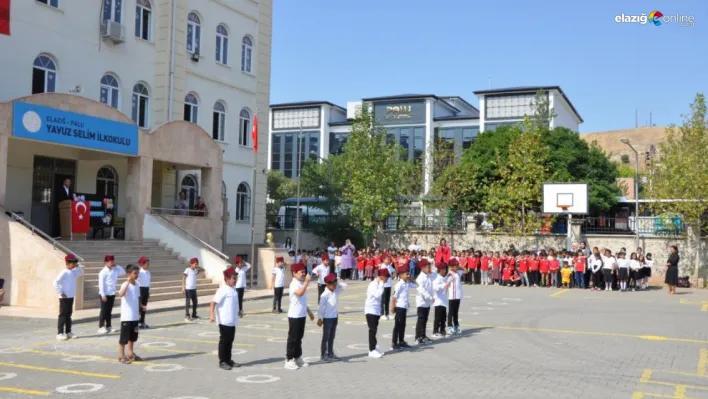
(564, 208)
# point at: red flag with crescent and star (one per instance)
(80, 217)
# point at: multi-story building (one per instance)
(412, 120)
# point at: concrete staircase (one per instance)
(166, 268)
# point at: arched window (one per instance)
(112, 10)
(107, 182)
(191, 189)
(110, 91)
(222, 45)
(191, 108)
(44, 75)
(246, 52)
(143, 19)
(243, 202)
(194, 33)
(141, 105)
(244, 127)
(219, 125)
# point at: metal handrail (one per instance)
(212, 249)
(42, 234)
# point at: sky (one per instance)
(346, 50)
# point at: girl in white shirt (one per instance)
(646, 270)
(622, 271)
(372, 308)
(595, 263)
(609, 263)
(338, 263)
(635, 272)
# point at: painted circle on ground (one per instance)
(81, 359)
(358, 346)
(79, 388)
(158, 344)
(511, 299)
(7, 376)
(311, 359)
(258, 326)
(208, 334)
(235, 352)
(480, 308)
(356, 323)
(277, 340)
(13, 349)
(497, 303)
(258, 379)
(163, 368)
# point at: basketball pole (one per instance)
(569, 240)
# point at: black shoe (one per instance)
(280, 310)
(195, 317)
(404, 345)
(333, 357)
(419, 341)
(234, 364)
(427, 340)
(224, 366)
(396, 347)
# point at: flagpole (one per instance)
(254, 138)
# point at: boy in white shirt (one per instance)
(441, 283)
(278, 284)
(189, 289)
(144, 281)
(321, 272)
(372, 309)
(297, 312)
(387, 287)
(107, 282)
(65, 287)
(454, 295)
(129, 315)
(241, 268)
(328, 316)
(224, 311)
(399, 304)
(423, 299)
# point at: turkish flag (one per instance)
(254, 134)
(80, 217)
(5, 17)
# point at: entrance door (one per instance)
(48, 178)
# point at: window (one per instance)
(244, 129)
(246, 51)
(243, 202)
(190, 189)
(141, 103)
(222, 45)
(218, 127)
(285, 153)
(194, 33)
(143, 18)
(53, 3)
(110, 91)
(275, 151)
(112, 10)
(191, 108)
(458, 138)
(44, 75)
(107, 183)
(336, 142)
(510, 106)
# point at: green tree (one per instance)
(682, 174)
(325, 180)
(279, 188)
(375, 177)
(543, 114)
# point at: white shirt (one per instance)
(454, 291)
(65, 283)
(144, 278)
(595, 264)
(424, 294)
(331, 252)
(107, 280)
(241, 280)
(279, 273)
(634, 264)
(648, 263)
(623, 263)
(373, 298)
(298, 304)
(322, 271)
(190, 283)
(226, 309)
(608, 262)
(440, 290)
(414, 247)
(400, 292)
(329, 302)
(130, 303)
(390, 269)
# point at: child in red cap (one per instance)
(297, 313)
(241, 268)
(144, 281)
(399, 304)
(224, 311)
(65, 287)
(107, 283)
(372, 308)
(328, 316)
(189, 289)
(278, 284)
(321, 272)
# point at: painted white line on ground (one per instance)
(511, 299)
(7, 376)
(277, 340)
(311, 359)
(356, 323)
(480, 308)
(258, 379)
(209, 334)
(81, 359)
(497, 303)
(258, 326)
(158, 344)
(164, 368)
(13, 349)
(79, 388)
(469, 313)
(234, 352)
(358, 346)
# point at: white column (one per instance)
(429, 144)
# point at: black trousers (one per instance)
(277, 297)
(422, 322)
(66, 308)
(452, 319)
(240, 292)
(386, 301)
(320, 290)
(439, 321)
(597, 279)
(372, 321)
(533, 277)
(226, 342)
(329, 330)
(190, 295)
(104, 317)
(296, 330)
(144, 296)
(399, 325)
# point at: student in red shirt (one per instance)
(496, 268)
(580, 263)
(554, 264)
(476, 260)
(533, 270)
(506, 276)
(442, 254)
(524, 268)
(484, 268)
(544, 266)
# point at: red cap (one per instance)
(229, 272)
(454, 262)
(402, 269)
(441, 265)
(279, 259)
(423, 263)
(325, 257)
(70, 258)
(296, 267)
(142, 260)
(108, 258)
(330, 277)
(237, 259)
(194, 260)
(383, 272)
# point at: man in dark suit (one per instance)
(375, 243)
(65, 192)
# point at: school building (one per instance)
(136, 102)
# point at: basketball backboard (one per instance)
(567, 198)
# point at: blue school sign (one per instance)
(51, 125)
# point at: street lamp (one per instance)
(625, 140)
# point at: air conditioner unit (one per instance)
(195, 56)
(113, 31)
(353, 108)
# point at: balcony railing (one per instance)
(663, 225)
(286, 222)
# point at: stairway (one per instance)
(166, 268)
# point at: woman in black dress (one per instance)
(672, 276)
